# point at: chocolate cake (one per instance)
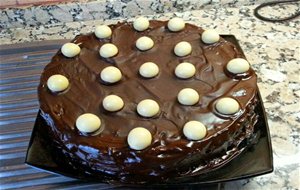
(148, 101)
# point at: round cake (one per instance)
(148, 101)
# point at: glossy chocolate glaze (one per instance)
(170, 155)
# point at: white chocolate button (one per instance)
(176, 24)
(144, 43)
(57, 83)
(140, 24)
(108, 50)
(210, 36)
(88, 123)
(182, 49)
(238, 65)
(139, 138)
(185, 70)
(111, 74)
(70, 50)
(103, 31)
(227, 106)
(147, 108)
(188, 96)
(194, 130)
(149, 70)
(112, 103)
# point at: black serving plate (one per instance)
(254, 161)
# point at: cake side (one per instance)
(106, 151)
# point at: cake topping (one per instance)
(149, 70)
(111, 74)
(103, 31)
(176, 24)
(88, 123)
(188, 96)
(112, 103)
(144, 43)
(108, 50)
(70, 50)
(227, 106)
(147, 108)
(194, 130)
(139, 138)
(182, 49)
(57, 83)
(185, 70)
(238, 65)
(140, 24)
(210, 36)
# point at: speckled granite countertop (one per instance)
(81, 10)
(273, 51)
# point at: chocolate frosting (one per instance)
(171, 154)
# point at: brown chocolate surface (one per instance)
(108, 152)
